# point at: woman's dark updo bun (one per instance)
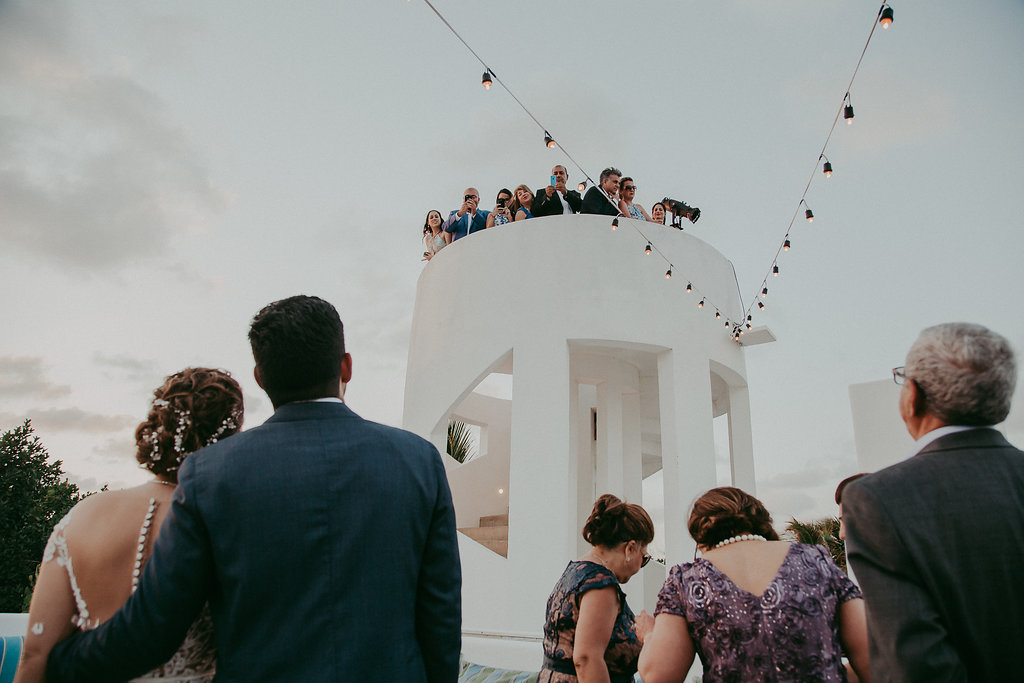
(193, 408)
(612, 522)
(725, 512)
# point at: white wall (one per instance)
(534, 298)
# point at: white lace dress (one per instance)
(196, 659)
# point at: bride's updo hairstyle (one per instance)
(725, 512)
(193, 408)
(612, 522)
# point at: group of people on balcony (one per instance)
(613, 196)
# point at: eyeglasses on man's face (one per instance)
(898, 375)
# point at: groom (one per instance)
(324, 544)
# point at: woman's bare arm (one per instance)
(853, 632)
(598, 610)
(668, 651)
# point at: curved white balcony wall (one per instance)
(587, 325)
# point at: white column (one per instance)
(632, 451)
(687, 443)
(539, 483)
(741, 441)
(610, 473)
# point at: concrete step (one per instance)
(494, 520)
(491, 533)
(494, 538)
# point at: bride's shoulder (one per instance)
(104, 509)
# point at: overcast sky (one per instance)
(166, 169)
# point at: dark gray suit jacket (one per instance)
(325, 545)
(937, 542)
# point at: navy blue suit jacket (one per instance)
(325, 545)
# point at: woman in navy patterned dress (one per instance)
(590, 634)
(754, 607)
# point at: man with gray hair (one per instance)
(937, 540)
(604, 199)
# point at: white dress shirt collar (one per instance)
(938, 433)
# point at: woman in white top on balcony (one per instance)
(95, 555)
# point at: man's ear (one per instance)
(346, 368)
(256, 376)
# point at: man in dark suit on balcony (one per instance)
(555, 200)
(324, 544)
(604, 200)
(937, 541)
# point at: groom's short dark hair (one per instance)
(298, 344)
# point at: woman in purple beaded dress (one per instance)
(754, 607)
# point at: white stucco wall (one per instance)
(578, 314)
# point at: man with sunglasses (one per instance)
(466, 219)
(937, 541)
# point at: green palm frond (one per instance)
(820, 532)
(460, 441)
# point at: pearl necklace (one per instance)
(737, 539)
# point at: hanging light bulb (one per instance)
(785, 245)
(689, 288)
(727, 323)
(615, 223)
(718, 315)
(701, 304)
(764, 292)
(775, 270)
(486, 80)
(749, 317)
(648, 249)
(748, 327)
(582, 186)
(886, 20)
(760, 304)
(826, 168)
(848, 110)
(548, 140)
(809, 214)
(668, 273)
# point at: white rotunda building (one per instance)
(581, 370)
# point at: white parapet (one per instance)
(615, 375)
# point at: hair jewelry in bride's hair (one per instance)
(193, 408)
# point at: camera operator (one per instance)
(500, 215)
(467, 219)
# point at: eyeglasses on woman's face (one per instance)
(645, 560)
(627, 188)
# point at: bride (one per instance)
(95, 555)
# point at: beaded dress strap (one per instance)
(143, 536)
(57, 546)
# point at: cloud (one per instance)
(24, 376)
(807, 494)
(71, 419)
(128, 366)
(91, 173)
